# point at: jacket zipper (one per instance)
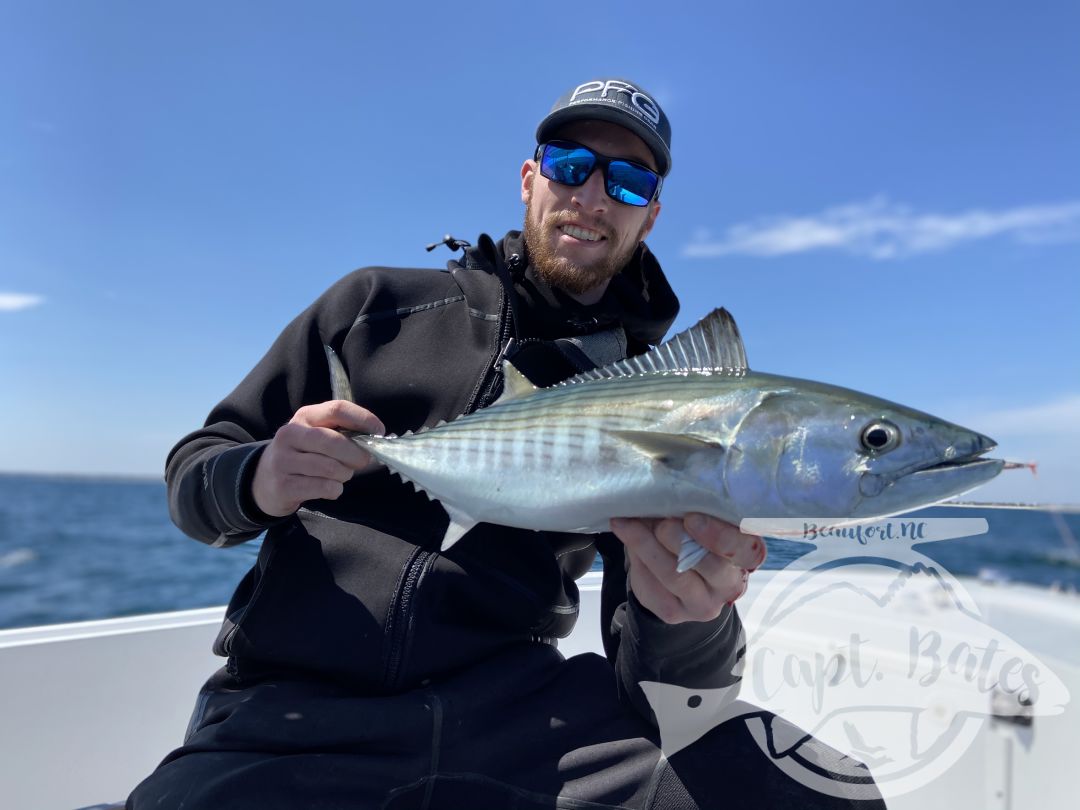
(399, 620)
(485, 394)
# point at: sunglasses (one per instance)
(570, 164)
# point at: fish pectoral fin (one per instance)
(460, 524)
(670, 449)
(515, 384)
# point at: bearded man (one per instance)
(367, 668)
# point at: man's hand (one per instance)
(308, 459)
(697, 595)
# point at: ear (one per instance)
(528, 172)
(650, 218)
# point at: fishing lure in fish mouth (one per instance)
(1023, 465)
(685, 427)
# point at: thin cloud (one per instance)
(881, 229)
(1059, 417)
(1045, 433)
(13, 302)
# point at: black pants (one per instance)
(525, 731)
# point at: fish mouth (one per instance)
(964, 466)
(974, 459)
(922, 485)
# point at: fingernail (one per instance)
(696, 523)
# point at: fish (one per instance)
(685, 427)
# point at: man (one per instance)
(365, 668)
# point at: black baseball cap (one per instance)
(619, 102)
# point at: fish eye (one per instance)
(880, 437)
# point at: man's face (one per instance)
(578, 237)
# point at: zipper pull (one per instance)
(505, 351)
(513, 264)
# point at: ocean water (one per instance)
(74, 548)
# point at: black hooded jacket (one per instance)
(356, 590)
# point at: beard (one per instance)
(569, 276)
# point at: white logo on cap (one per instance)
(642, 104)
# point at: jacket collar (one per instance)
(639, 298)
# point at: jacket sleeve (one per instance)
(209, 472)
(642, 647)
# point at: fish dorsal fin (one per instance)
(340, 387)
(515, 384)
(711, 346)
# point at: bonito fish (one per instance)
(685, 427)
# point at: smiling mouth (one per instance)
(582, 234)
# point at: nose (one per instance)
(591, 196)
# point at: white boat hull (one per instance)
(89, 709)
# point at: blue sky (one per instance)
(886, 195)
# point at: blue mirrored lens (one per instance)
(630, 184)
(571, 167)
